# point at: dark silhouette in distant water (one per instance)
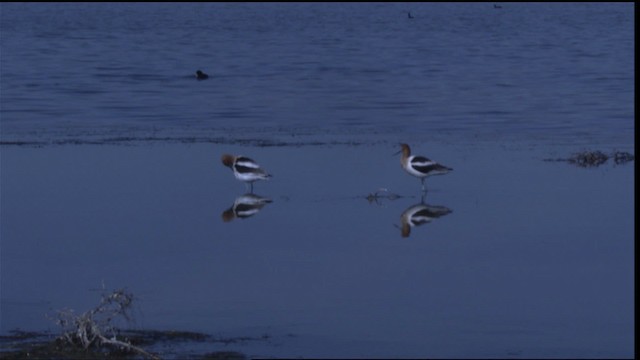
(201, 76)
(495, 6)
(410, 16)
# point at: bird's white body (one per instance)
(244, 168)
(420, 166)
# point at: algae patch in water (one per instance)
(596, 158)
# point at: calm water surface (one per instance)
(110, 174)
(537, 261)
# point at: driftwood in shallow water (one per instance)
(596, 158)
(93, 330)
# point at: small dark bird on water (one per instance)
(410, 16)
(201, 76)
(495, 6)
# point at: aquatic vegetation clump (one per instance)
(589, 158)
(621, 157)
(596, 158)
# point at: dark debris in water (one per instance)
(150, 337)
(39, 345)
(589, 158)
(381, 193)
(19, 335)
(596, 158)
(621, 157)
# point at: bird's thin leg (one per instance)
(251, 187)
(424, 190)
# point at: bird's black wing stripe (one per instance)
(245, 169)
(426, 169)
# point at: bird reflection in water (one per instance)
(245, 206)
(420, 214)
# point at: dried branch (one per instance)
(94, 329)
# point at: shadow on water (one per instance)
(245, 206)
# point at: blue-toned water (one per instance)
(523, 258)
(535, 71)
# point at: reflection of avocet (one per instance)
(245, 206)
(420, 214)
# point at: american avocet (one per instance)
(420, 214)
(245, 206)
(245, 169)
(420, 166)
(201, 76)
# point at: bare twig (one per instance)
(94, 329)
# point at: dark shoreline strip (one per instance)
(182, 140)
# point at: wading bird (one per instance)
(420, 166)
(245, 169)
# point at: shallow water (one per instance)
(536, 260)
(110, 174)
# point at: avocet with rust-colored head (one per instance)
(420, 166)
(245, 169)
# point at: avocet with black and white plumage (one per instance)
(245, 169)
(420, 166)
